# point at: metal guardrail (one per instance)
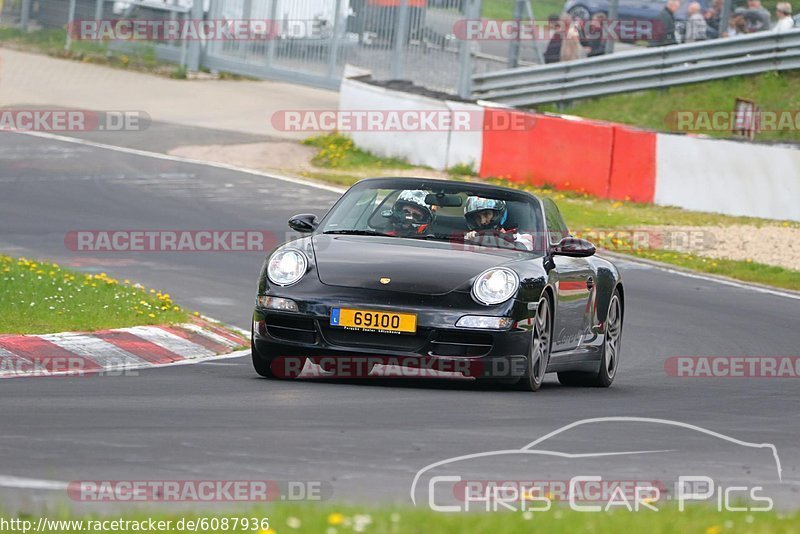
(642, 69)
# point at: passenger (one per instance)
(488, 223)
(411, 216)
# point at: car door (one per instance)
(640, 9)
(574, 286)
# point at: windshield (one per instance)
(451, 212)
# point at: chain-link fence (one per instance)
(305, 41)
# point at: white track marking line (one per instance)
(340, 190)
(156, 155)
(171, 342)
(31, 483)
(95, 349)
(143, 366)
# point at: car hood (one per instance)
(411, 265)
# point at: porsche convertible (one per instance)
(445, 272)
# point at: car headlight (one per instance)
(287, 266)
(495, 286)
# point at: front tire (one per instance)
(539, 353)
(609, 361)
(266, 366)
(262, 366)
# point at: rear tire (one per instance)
(609, 361)
(539, 353)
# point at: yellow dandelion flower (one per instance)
(335, 518)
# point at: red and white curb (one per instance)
(118, 350)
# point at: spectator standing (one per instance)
(785, 21)
(736, 24)
(595, 39)
(696, 26)
(756, 17)
(556, 28)
(713, 16)
(664, 32)
(571, 47)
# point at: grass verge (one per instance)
(344, 519)
(37, 297)
(504, 9)
(772, 91)
(337, 151)
(746, 271)
(140, 56)
(343, 164)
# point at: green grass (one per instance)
(38, 297)
(772, 91)
(747, 271)
(504, 9)
(337, 151)
(461, 170)
(345, 519)
(138, 56)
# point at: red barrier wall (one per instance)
(568, 154)
(602, 159)
(633, 165)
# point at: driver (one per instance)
(411, 216)
(487, 217)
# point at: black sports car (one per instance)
(471, 277)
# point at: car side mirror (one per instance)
(573, 247)
(304, 223)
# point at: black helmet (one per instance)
(476, 205)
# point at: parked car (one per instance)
(647, 10)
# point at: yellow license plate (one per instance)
(374, 320)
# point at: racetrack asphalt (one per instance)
(218, 420)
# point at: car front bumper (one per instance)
(437, 343)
